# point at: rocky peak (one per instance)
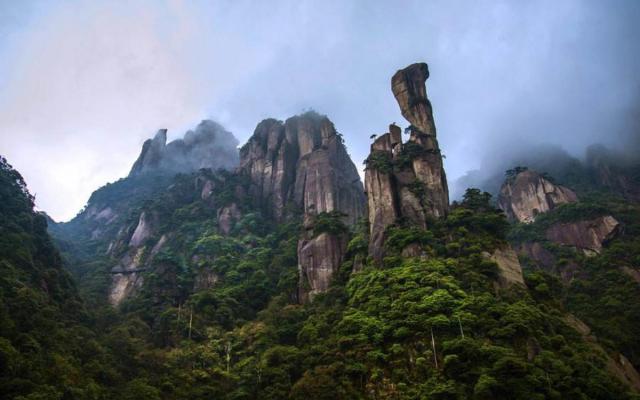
(406, 181)
(408, 86)
(530, 193)
(303, 163)
(209, 145)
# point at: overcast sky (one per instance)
(84, 83)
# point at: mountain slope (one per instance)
(273, 281)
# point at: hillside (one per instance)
(284, 276)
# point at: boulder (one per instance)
(303, 162)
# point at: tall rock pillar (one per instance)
(406, 182)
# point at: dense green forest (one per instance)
(437, 326)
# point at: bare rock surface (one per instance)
(303, 163)
(509, 269)
(587, 235)
(529, 193)
(318, 260)
(406, 181)
(544, 259)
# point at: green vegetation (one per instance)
(380, 161)
(330, 222)
(218, 314)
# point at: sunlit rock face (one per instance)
(529, 193)
(587, 235)
(135, 252)
(302, 166)
(406, 181)
(209, 145)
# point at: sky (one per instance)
(84, 83)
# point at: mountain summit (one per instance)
(209, 145)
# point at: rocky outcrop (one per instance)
(537, 256)
(227, 217)
(633, 273)
(509, 269)
(302, 166)
(302, 162)
(617, 364)
(135, 255)
(529, 193)
(406, 181)
(408, 87)
(209, 145)
(123, 284)
(588, 235)
(126, 275)
(318, 260)
(143, 230)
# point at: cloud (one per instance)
(85, 82)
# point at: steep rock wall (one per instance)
(529, 193)
(302, 166)
(406, 181)
(587, 235)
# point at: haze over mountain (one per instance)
(286, 277)
(84, 83)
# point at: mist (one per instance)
(208, 145)
(84, 83)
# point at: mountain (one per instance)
(47, 348)
(272, 272)
(209, 145)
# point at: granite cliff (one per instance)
(406, 182)
(529, 193)
(302, 167)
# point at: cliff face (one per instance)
(587, 235)
(529, 194)
(209, 145)
(406, 181)
(302, 165)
